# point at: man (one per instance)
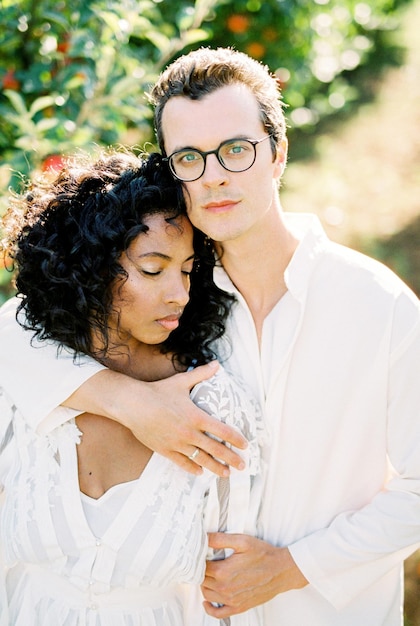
(328, 340)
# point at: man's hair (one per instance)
(205, 70)
(65, 237)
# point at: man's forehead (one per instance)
(223, 114)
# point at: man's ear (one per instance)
(281, 158)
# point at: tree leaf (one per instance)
(17, 101)
(42, 103)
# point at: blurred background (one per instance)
(74, 74)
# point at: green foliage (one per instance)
(74, 74)
(6, 289)
(315, 48)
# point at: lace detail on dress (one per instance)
(228, 399)
(157, 538)
(7, 413)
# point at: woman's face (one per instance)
(151, 301)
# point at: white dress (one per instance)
(119, 560)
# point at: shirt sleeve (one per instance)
(36, 376)
(359, 547)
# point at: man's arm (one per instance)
(160, 414)
(31, 374)
(358, 547)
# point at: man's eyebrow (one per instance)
(245, 136)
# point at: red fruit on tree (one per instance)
(64, 44)
(237, 23)
(53, 162)
(10, 81)
(256, 49)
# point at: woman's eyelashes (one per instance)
(187, 271)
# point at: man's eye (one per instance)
(237, 149)
(188, 157)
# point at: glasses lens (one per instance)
(187, 164)
(237, 155)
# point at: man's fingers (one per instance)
(200, 373)
(226, 540)
(219, 465)
(206, 461)
(219, 430)
(196, 439)
(185, 464)
(209, 446)
(218, 612)
(196, 466)
(207, 423)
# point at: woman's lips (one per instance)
(170, 322)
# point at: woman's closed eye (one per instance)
(149, 269)
(187, 271)
(189, 267)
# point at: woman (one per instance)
(95, 528)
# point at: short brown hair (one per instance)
(205, 70)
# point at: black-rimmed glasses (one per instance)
(235, 155)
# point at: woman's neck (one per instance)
(145, 362)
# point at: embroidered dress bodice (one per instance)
(119, 560)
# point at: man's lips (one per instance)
(170, 322)
(220, 205)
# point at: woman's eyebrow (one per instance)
(163, 256)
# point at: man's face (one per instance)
(225, 205)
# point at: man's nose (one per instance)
(214, 172)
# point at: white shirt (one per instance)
(337, 375)
(338, 378)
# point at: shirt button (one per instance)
(98, 542)
(93, 607)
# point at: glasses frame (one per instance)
(216, 152)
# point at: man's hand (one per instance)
(163, 417)
(252, 575)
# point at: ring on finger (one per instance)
(195, 454)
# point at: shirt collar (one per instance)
(312, 240)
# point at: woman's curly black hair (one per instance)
(65, 238)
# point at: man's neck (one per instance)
(256, 265)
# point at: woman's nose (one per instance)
(179, 290)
